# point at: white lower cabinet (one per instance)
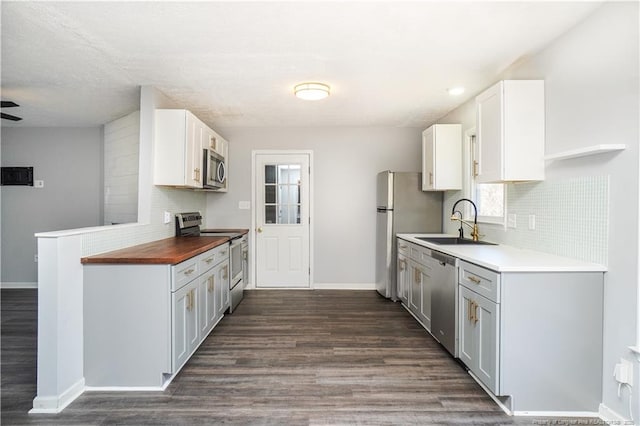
(184, 319)
(419, 284)
(142, 322)
(222, 288)
(524, 336)
(479, 337)
(402, 278)
(207, 303)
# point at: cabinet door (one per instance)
(487, 313)
(442, 157)
(467, 327)
(415, 290)
(401, 279)
(428, 159)
(193, 152)
(222, 288)
(490, 135)
(185, 324)
(478, 345)
(206, 307)
(426, 283)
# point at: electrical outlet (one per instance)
(38, 184)
(532, 222)
(511, 220)
(623, 372)
(244, 205)
(167, 217)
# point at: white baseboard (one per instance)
(127, 388)
(344, 286)
(611, 417)
(556, 414)
(6, 284)
(55, 404)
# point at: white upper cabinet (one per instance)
(178, 157)
(510, 132)
(442, 157)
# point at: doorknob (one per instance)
(260, 229)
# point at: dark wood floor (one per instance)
(283, 357)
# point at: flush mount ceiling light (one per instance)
(456, 91)
(311, 91)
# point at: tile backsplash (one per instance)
(571, 218)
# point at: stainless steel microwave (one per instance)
(215, 170)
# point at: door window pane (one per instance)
(270, 214)
(282, 193)
(270, 194)
(270, 173)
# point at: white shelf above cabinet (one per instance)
(583, 152)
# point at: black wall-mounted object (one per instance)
(17, 176)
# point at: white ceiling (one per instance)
(235, 63)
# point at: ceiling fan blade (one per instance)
(8, 104)
(9, 117)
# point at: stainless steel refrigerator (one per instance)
(402, 208)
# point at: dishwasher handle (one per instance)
(444, 258)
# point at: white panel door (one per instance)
(282, 220)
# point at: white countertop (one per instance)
(504, 258)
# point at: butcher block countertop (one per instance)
(167, 251)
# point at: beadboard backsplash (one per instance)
(571, 218)
(162, 199)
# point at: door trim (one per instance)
(253, 273)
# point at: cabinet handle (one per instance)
(469, 317)
(402, 265)
(475, 168)
(226, 272)
(189, 301)
(403, 246)
(430, 178)
(209, 260)
(474, 279)
(475, 313)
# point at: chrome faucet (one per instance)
(475, 235)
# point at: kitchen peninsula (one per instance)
(147, 308)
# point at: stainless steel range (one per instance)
(188, 224)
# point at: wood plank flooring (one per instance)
(283, 357)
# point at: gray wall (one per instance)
(346, 161)
(69, 160)
(591, 89)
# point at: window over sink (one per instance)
(490, 198)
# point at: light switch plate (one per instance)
(532, 222)
(511, 220)
(244, 205)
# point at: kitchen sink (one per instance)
(453, 240)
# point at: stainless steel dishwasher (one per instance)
(443, 301)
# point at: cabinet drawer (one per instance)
(184, 272)
(483, 281)
(420, 254)
(211, 258)
(403, 247)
